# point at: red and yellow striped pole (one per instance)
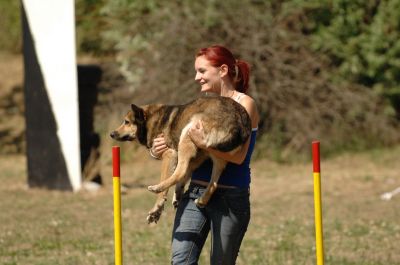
(117, 205)
(317, 203)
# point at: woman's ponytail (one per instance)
(242, 76)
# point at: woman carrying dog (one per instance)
(227, 214)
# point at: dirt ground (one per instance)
(51, 227)
(11, 71)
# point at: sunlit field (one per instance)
(51, 227)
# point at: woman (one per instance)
(227, 214)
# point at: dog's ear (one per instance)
(138, 113)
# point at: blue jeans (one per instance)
(226, 215)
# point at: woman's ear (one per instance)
(223, 70)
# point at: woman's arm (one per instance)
(196, 133)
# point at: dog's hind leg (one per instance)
(169, 160)
(218, 167)
(187, 150)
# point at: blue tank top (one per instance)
(233, 174)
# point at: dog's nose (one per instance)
(112, 134)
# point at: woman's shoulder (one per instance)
(250, 105)
(247, 101)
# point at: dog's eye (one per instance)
(126, 122)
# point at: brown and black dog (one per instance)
(227, 127)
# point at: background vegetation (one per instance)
(10, 25)
(321, 69)
(361, 39)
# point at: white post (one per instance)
(51, 94)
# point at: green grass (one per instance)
(51, 227)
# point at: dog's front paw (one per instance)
(154, 188)
(155, 214)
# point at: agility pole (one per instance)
(317, 203)
(117, 205)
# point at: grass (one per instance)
(51, 227)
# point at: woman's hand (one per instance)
(196, 133)
(159, 147)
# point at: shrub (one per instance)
(155, 43)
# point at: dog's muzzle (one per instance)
(115, 135)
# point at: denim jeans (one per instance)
(226, 215)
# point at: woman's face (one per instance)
(208, 76)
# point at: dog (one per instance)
(227, 127)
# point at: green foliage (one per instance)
(311, 61)
(10, 26)
(89, 26)
(362, 38)
(148, 34)
(155, 43)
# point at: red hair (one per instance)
(238, 70)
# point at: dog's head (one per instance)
(133, 126)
